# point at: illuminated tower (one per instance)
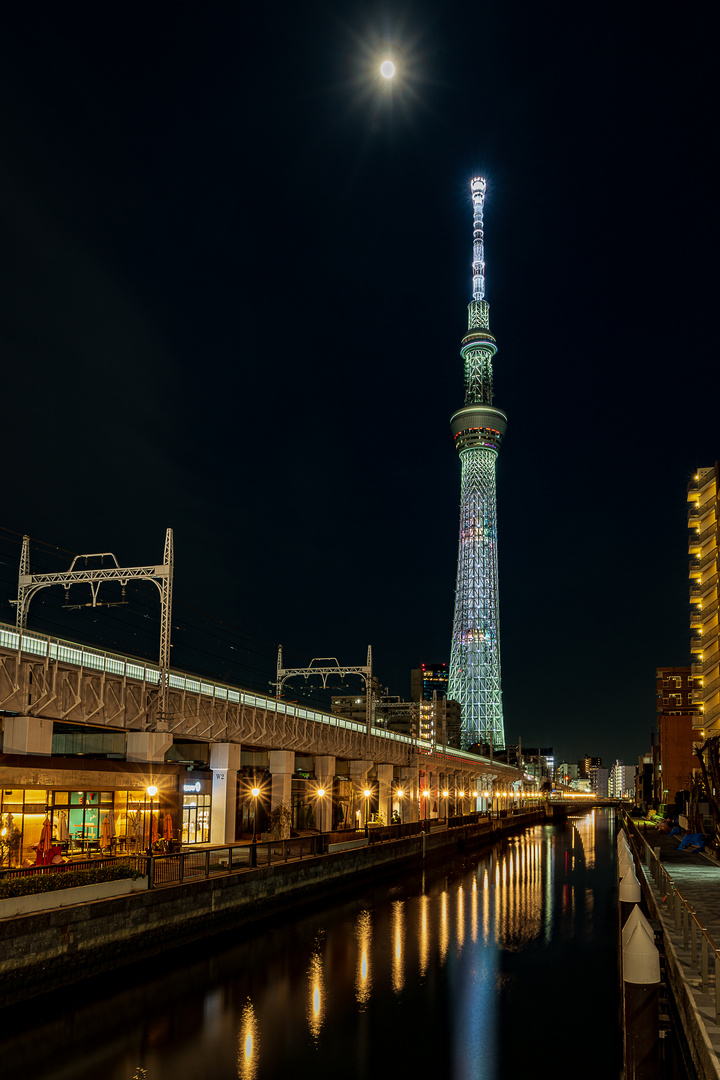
(478, 429)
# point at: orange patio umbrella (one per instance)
(168, 827)
(153, 828)
(46, 835)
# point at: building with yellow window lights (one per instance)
(703, 550)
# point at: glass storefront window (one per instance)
(22, 814)
(196, 819)
(78, 817)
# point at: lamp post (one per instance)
(445, 797)
(426, 795)
(152, 792)
(320, 796)
(400, 795)
(462, 803)
(367, 796)
(255, 792)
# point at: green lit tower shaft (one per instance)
(478, 429)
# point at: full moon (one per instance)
(387, 69)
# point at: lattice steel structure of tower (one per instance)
(478, 429)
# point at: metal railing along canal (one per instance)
(694, 934)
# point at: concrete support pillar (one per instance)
(225, 764)
(411, 810)
(325, 774)
(435, 786)
(463, 804)
(27, 735)
(282, 766)
(358, 775)
(148, 745)
(385, 777)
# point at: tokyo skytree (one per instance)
(478, 429)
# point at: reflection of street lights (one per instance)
(366, 793)
(152, 792)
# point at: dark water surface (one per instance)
(500, 965)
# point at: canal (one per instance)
(495, 965)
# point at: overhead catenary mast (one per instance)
(478, 429)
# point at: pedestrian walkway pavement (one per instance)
(696, 877)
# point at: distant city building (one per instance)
(439, 719)
(616, 784)
(644, 781)
(677, 713)
(427, 679)
(703, 523)
(388, 711)
(587, 764)
(565, 773)
(538, 761)
(599, 780)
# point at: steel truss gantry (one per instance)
(29, 584)
(325, 666)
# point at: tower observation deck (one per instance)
(478, 429)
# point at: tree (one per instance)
(280, 821)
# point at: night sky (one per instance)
(235, 266)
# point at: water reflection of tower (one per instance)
(478, 430)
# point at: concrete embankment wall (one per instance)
(44, 951)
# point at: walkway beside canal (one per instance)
(695, 877)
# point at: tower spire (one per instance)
(477, 187)
(478, 430)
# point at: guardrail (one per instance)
(137, 863)
(207, 862)
(683, 913)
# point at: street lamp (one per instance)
(426, 796)
(445, 797)
(367, 794)
(320, 795)
(462, 803)
(152, 792)
(400, 795)
(255, 792)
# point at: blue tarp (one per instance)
(693, 840)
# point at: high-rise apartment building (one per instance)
(478, 429)
(427, 679)
(586, 764)
(677, 715)
(439, 718)
(703, 549)
(599, 781)
(617, 780)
